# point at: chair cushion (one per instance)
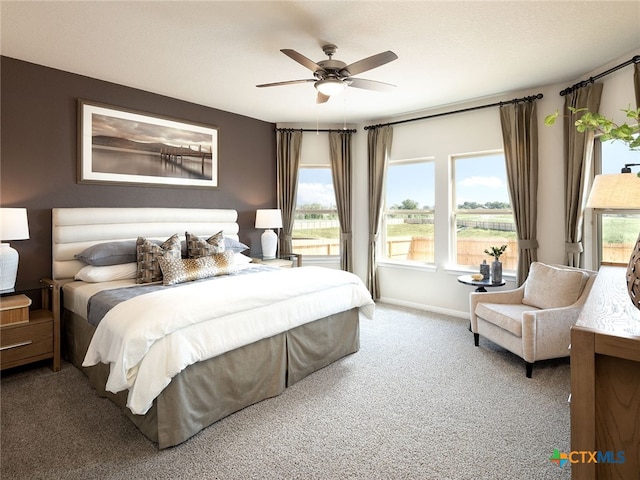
(553, 286)
(505, 316)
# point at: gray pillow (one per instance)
(234, 245)
(109, 253)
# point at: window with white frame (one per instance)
(316, 228)
(407, 230)
(615, 233)
(482, 216)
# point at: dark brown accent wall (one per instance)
(38, 156)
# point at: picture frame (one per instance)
(128, 147)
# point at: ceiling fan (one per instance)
(332, 76)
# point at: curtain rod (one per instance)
(479, 107)
(341, 130)
(584, 83)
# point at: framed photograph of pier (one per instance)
(128, 147)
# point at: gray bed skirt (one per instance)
(242, 377)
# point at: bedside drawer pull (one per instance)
(16, 345)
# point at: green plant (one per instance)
(495, 251)
(609, 130)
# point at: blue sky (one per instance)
(480, 179)
(315, 186)
(615, 155)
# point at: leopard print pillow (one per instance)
(188, 269)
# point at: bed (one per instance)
(206, 348)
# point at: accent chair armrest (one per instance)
(547, 333)
(506, 297)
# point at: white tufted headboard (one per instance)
(74, 229)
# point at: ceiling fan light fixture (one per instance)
(330, 86)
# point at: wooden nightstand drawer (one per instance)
(27, 342)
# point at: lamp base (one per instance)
(269, 241)
(633, 275)
(8, 267)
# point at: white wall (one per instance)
(438, 289)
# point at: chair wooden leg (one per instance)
(529, 369)
(476, 339)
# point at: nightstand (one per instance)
(282, 260)
(36, 337)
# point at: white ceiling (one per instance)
(214, 52)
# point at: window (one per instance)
(616, 233)
(407, 229)
(316, 228)
(482, 215)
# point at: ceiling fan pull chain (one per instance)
(344, 110)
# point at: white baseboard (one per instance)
(428, 308)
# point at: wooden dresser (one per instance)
(605, 381)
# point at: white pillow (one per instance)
(240, 258)
(93, 274)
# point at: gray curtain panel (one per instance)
(288, 145)
(578, 166)
(636, 82)
(340, 151)
(378, 148)
(520, 138)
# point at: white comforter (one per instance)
(150, 338)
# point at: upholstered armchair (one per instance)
(534, 320)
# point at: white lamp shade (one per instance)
(330, 86)
(269, 218)
(616, 191)
(14, 224)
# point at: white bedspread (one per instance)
(150, 338)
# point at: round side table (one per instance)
(481, 285)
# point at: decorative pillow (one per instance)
(553, 287)
(240, 258)
(109, 253)
(235, 245)
(148, 252)
(197, 247)
(182, 270)
(94, 274)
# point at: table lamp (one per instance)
(13, 226)
(269, 219)
(621, 191)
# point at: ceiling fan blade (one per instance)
(301, 59)
(369, 84)
(288, 82)
(322, 98)
(370, 62)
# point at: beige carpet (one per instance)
(418, 401)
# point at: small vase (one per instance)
(484, 270)
(496, 271)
